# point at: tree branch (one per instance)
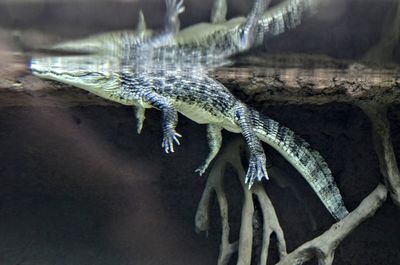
(377, 114)
(294, 79)
(231, 155)
(324, 246)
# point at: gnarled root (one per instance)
(322, 247)
(231, 155)
(377, 114)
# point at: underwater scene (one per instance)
(188, 132)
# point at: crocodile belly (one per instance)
(200, 114)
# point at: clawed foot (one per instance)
(170, 137)
(257, 170)
(201, 169)
(173, 8)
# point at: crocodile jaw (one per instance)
(93, 74)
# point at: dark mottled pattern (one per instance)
(314, 168)
(180, 87)
(287, 17)
(170, 58)
(222, 43)
(209, 95)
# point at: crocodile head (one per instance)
(95, 74)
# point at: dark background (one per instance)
(341, 28)
(79, 186)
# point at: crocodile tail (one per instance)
(307, 161)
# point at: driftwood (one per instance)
(299, 85)
(377, 114)
(231, 155)
(282, 80)
(322, 247)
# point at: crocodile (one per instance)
(150, 73)
(287, 14)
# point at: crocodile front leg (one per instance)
(249, 32)
(169, 118)
(218, 12)
(257, 163)
(214, 138)
(140, 116)
(172, 23)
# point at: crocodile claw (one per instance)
(168, 140)
(180, 8)
(257, 170)
(174, 8)
(201, 170)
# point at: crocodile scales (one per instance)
(164, 72)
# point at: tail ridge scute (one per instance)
(306, 160)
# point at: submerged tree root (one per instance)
(231, 155)
(322, 247)
(377, 113)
